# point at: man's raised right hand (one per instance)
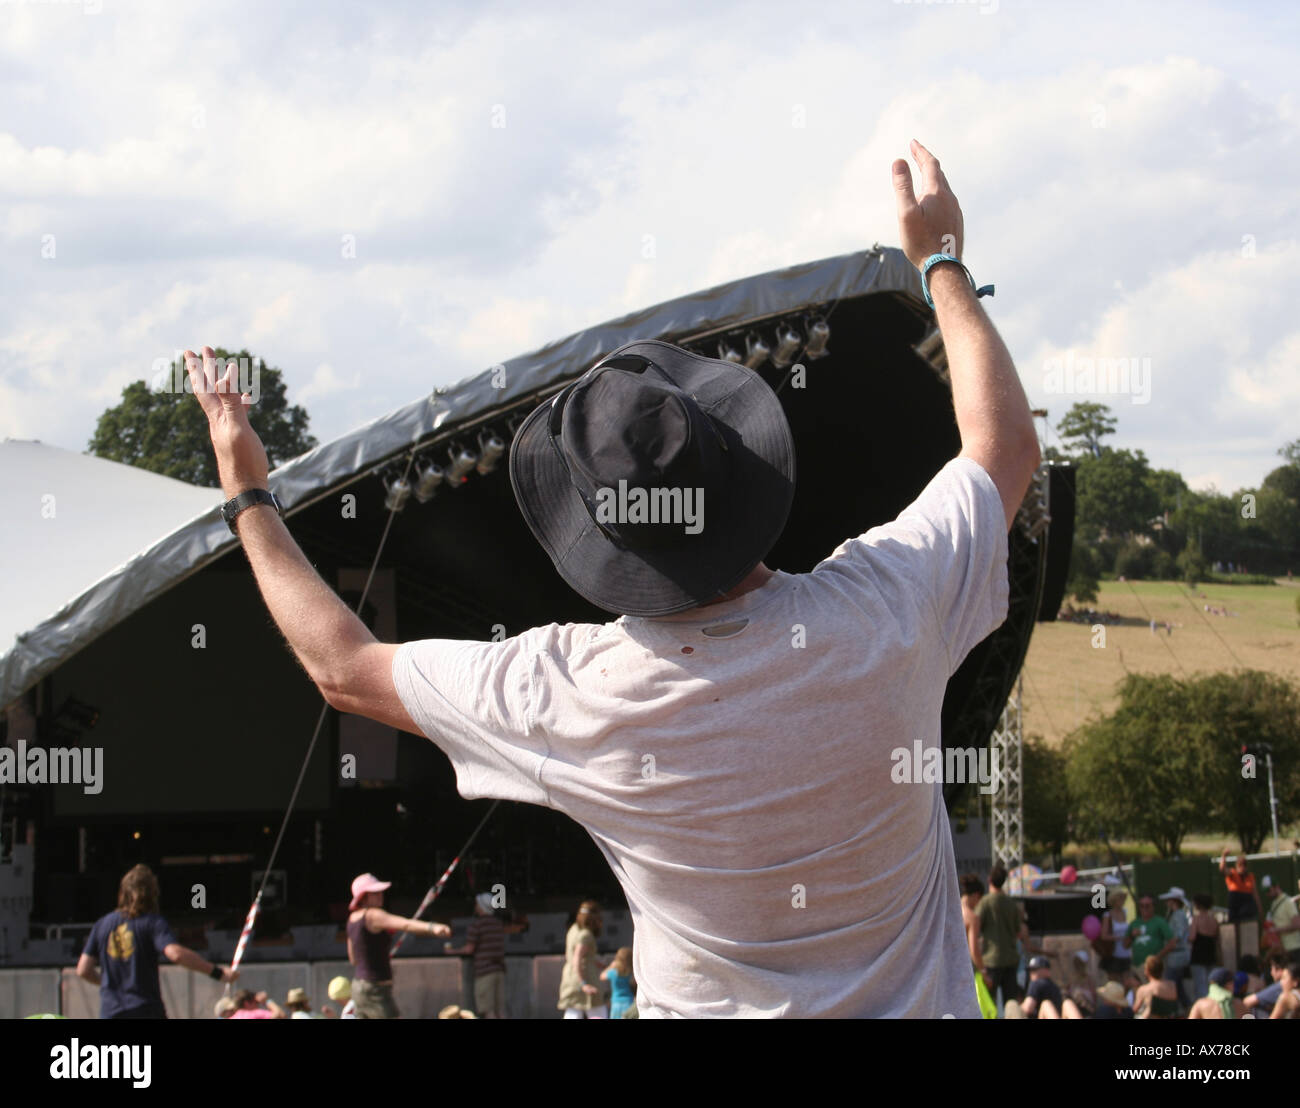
(931, 223)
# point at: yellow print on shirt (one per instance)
(121, 943)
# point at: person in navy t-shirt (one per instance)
(122, 952)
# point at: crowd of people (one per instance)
(122, 953)
(1165, 963)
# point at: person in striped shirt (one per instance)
(486, 942)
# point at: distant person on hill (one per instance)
(122, 950)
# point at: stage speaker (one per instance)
(1060, 540)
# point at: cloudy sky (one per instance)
(384, 198)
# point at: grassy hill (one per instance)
(1067, 679)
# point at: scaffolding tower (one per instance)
(1008, 821)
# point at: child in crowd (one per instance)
(619, 976)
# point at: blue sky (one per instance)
(510, 173)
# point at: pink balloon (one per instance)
(1091, 927)
(1069, 875)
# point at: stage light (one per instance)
(788, 342)
(819, 334)
(729, 353)
(426, 484)
(491, 447)
(398, 491)
(756, 351)
(462, 461)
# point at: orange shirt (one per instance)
(1239, 882)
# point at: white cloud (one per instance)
(200, 168)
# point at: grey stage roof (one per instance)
(83, 604)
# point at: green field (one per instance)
(1067, 680)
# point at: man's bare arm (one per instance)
(993, 417)
(350, 667)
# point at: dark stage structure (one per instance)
(202, 745)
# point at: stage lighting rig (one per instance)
(788, 341)
(397, 491)
(756, 351)
(728, 353)
(491, 448)
(819, 334)
(428, 478)
(462, 461)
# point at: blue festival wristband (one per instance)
(935, 259)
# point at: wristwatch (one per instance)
(231, 508)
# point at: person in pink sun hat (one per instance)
(368, 944)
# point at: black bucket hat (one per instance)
(657, 480)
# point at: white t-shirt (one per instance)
(739, 783)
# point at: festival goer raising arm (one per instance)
(993, 418)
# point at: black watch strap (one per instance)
(231, 508)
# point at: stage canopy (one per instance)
(120, 536)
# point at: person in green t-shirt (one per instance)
(1148, 934)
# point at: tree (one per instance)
(1084, 426)
(1114, 494)
(1141, 772)
(1085, 572)
(1191, 564)
(164, 430)
(1247, 708)
(1047, 805)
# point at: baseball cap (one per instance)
(340, 989)
(1039, 962)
